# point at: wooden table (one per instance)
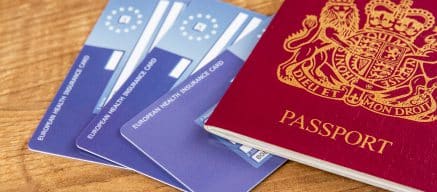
(39, 40)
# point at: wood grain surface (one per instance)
(39, 40)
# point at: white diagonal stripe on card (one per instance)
(224, 40)
(139, 49)
(253, 24)
(174, 13)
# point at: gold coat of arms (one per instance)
(378, 67)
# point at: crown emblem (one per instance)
(341, 2)
(400, 18)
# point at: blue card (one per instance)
(201, 33)
(123, 35)
(168, 132)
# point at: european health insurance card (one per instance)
(170, 131)
(125, 32)
(202, 32)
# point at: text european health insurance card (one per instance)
(200, 34)
(123, 35)
(170, 130)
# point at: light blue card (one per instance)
(200, 34)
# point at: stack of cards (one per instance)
(142, 87)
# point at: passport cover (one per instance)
(345, 86)
(200, 33)
(122, 36)
(168, 131)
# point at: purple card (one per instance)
(168, 131)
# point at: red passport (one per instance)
(347, 86)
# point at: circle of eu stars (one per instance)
(199, 27)
(124, 20)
